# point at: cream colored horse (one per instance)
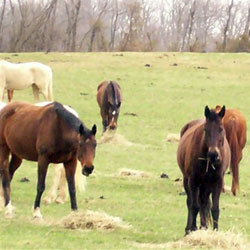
(17, 76)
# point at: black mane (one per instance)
(68, 117)
(113, 91)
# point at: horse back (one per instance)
(29, 131)
(106, 94)
(235, 125)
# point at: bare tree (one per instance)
(225, 31)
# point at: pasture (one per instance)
(161, 92)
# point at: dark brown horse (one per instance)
(109, 98)
(236, 132)
(203, 157)
(235, 126)
(48, 134)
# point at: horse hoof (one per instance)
(37, 213)
(9, 211)
(60, 200)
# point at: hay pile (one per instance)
(93, 220)
(113, 137)
(133, 173)
(173, 137)
(204, 239)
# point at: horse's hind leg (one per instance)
(5, 175)
(15, 163)
(215, 207)
(42, 171)
(35, 92)
(70, 169)
(204, 206)
(52, 194)
(189, 219)
(10, 94)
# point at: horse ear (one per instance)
(222, 111)
(94, 129)
(207, 111)
(81, 129)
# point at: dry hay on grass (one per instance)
(133, 173)
(204, 239)
(173, 137)
(93, 220)
(112, 137)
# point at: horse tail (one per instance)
(50, 86)
(81, 180)
(234, 147)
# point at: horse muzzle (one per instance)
(87, 170)
(213, 156)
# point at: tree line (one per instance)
(124, 25)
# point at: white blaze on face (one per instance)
(114, 112)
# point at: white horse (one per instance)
(17, 76)
(58, 191)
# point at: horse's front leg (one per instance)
(70, 169)
(215, 210)
(43, 164)
(195, 207)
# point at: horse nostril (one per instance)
(213, 156)
(87, 170)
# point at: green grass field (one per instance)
(163, 97)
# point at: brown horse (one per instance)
(48, 134)
(203, 157)
(236, 132)
(235, 126)
(109, 98)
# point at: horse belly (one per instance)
(18, 79)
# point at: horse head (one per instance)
(113, 114)
(87, 148)
(214, 134)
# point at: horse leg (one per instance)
(204, 206)
(50, 91)
(10, 94)
(43, 164)
(195, 203)
(5, 175)
(189, 219)
(51, 196)
(15, 163)
(35, 92)
(70, 168)
(105, 125)
(215, 207)
(61, 198)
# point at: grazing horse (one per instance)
(109, 98)
(236, 132)
(48, 134)
(203, 156)
(17, 76)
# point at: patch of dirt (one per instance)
(112, 137)
(171, 137)
(133, 173)
(91, 220)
